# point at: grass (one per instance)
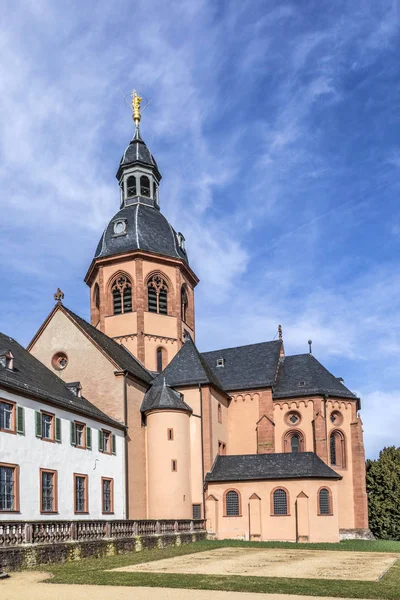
(94, 571)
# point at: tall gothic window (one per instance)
(293, 441)
(131, 186)
(157, 293)
(122, 295)
(337, 449)
(324, 502)
(96, 295)
(161, 359)
(145, 186)
(184, 303)
(232, 504)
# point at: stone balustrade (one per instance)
(16, 533)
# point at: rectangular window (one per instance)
(107, 495)
(9, 487)
(7, 416)
(80, 435)
(106, 442)
(48, 491)
(196, 511)
(170, 434)
(47, 426)
(81, 493)
(174, 465)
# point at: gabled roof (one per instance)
(188, 367)
(315, 379)
(116, 352)
(252, 467)
(246, 367)
(30, 377)
(161, 396)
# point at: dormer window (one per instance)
(302, 383)
(181, 241)
(131, 186)
(7, 360)
(220, 362)
(145, 186)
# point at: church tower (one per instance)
(141, 284)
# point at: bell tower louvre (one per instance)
(141, 284)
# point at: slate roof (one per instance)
(252, 467)
(161, 396)
(188, 367)
(30, 376)
(137, 153)
(317, 380)
(245, 367)
(146, 229)
(119, 354)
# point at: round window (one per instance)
(336, 417)
(293, 418)
(119, 227)
(59, 361)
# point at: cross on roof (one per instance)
(58, 296)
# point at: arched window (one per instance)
(293, 441)
(184, 303)
(161, 359)
(96, 295)
(232, 504)
(131, 186)
(122, 295)
(337, 447)
(280, 502)
(157, 294)
(324, 502)
(145, 186)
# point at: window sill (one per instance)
(232, 516)
(49, 512)
(288, 515)
(8, 431)
(107, 513)
(47, 440)
(83, 512)
(11, 510)
(327, 515)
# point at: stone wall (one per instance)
(34, 555)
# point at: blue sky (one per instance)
(276, 126)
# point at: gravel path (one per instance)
(27, 585)
(275, 562)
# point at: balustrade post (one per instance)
(135, 528)
(28, 533)
(74, 531)
(158, 527)
(107, 529)
(176, 527)
(191, 526)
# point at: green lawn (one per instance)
(94, 571)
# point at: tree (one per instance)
(383, 488)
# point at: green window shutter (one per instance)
(38, 423)
(20, 420)
(88, 438)
(73, 434)
(100, 440)
(58, 430)
(114, 446)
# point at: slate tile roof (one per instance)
(252, 467)
(317, 380)
(31, 377)
(119, 354)
(189, 367)
(160, 396)
(245, 367)
(146, 229)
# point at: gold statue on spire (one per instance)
(136, 100)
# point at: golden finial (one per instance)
(136, 100)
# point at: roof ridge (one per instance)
(243, 346)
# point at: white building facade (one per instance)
(56, 463)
